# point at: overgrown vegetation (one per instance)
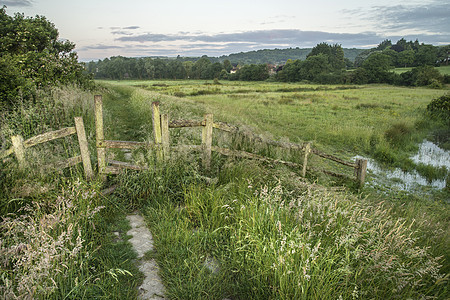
(32, 57)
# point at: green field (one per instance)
(444, 70)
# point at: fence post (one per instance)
(82, 141)
(165, 139)
(156, 119)
(101, 150)
(361, 169)
(305, 160)
(207, 140)
(19, 150)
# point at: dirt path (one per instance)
(142, 241)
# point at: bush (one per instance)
(440, 107)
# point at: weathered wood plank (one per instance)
(165, 137)
(225, 127)
(156, 120)
(19, 150)
(332, 157)
(6, 153)
(101, 151)
(361, 170)
(185, 123)
(124, 144)
(82, 141)
(125, 165)
(49, 136)
(112, 170)
(207, 132)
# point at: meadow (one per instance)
(267, 232)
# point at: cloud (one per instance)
(432, 17)
(17, 3)
(131, 27)
(268, 37)
(100, 47)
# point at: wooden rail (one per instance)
(20, 145)
(161, 144)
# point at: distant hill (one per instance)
(279, 56)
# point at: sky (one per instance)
(139, 28)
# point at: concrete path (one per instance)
(142, 241)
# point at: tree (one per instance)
(33, 56)
(405, 58)
(377, 67)
(227, 65)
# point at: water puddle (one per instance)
(428, 154)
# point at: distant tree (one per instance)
(384, 45)
(377, 68)
(443, 55)
(426, 55)
(213, 71)
(405, 58)
(422, 76)
(253, 72)
(227, 65)
(200, 68)
(188, 68)
(176, 70)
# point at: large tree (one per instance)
(33, 56)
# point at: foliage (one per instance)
(440, 107)
(32, 56)
(422, 76)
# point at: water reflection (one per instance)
(428, 154)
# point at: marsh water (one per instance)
(428, 154)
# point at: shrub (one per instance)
(440, 107)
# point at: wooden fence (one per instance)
(20, 146)
(162, 124)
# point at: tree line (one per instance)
(325, 64)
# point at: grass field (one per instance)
(253, 222)
(267, 232)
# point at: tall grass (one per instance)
(272, 240)
(56, 238)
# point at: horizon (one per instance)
(137, 28)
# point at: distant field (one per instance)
(445, 70)
(337, 118)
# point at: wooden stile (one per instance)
(101, 150)
(156, 120)
(49, 136)
(19, 150)
(207, 141)
(361, 169)
(165, 138)
(82, 141)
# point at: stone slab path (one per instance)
(142, 241)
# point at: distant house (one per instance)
(234, 70)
